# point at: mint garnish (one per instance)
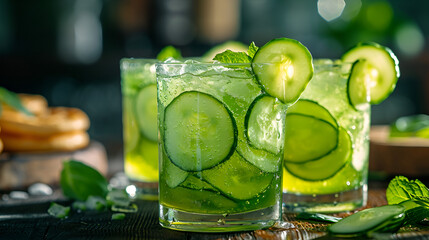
(413, 195)
(229, 56)
(169, 52)
(79, 181)
(252, 50)
(10, 98)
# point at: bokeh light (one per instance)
(330, 9)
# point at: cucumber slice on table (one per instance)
(312, 108)
(326, 166)
(146, 110)
(264, 126)
(237, 178)
(290, 71)
(308, 138)
(376, 74)
(199, 131)
(379, 219)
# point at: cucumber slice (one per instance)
(200, 131)
(290, 71)
(308, 138)
(312, 108)
(237, 178)
(172, 175)
(327, 166)
(264, 126)
(193, 182)
(378, 73)
(369, 220)
(266, 161)
(146, 111)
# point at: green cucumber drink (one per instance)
(222, 136)
(140, 130)
(327, 130)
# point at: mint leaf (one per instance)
(58, 210)
(79, 181)
(118, 216)
(10, 98)
(401, 189)
(252, 50)
(168, 52)
(232, 57)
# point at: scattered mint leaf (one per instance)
(252, 50)
(169, 51)
(232, 57)
(118, 216)
(79, 181)
(401, 189)
(10, 98)
(58, 210)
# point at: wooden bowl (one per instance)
(400, 156)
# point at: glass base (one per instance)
(143, 190)
(198, 222)
(326, 203)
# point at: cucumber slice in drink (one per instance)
(237, 178)
(314, 109)
(308, 138)
(365, 222)
(377, 74)
(290, 71)
(199, 131)
(173, 175)
(146, 111)
(193, 182)
(266, 161)
(326, 166)
(264, 126)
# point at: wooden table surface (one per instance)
(29, 220)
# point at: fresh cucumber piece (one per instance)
(237, 178)
(365, 222)
(172, 175)
(308, 138)
(194, 182)
(146, 111)
(377, 73)
(314, 109)
(289, 71)
(264, 124)
(326, 166)
(199, 131)
(266, 161)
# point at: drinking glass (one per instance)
(140, 132)
(221, 148)
(326, 146)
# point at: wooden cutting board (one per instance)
(19, 170)
(405, 156)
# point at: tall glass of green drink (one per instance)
(222, 136)
(327, 130)
(140, 124)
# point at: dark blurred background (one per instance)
(69, 50)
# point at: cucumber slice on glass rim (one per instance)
(373, 77)
(290, 71)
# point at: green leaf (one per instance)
(169, 51)
(252, 50)
(79, 181)
(232, 57)
(12, 99)
(58, 211)
(118, 216)
(401, 189)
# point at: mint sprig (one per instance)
(413, 195)
(169, 52)
(10, 98)
(229, 56)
